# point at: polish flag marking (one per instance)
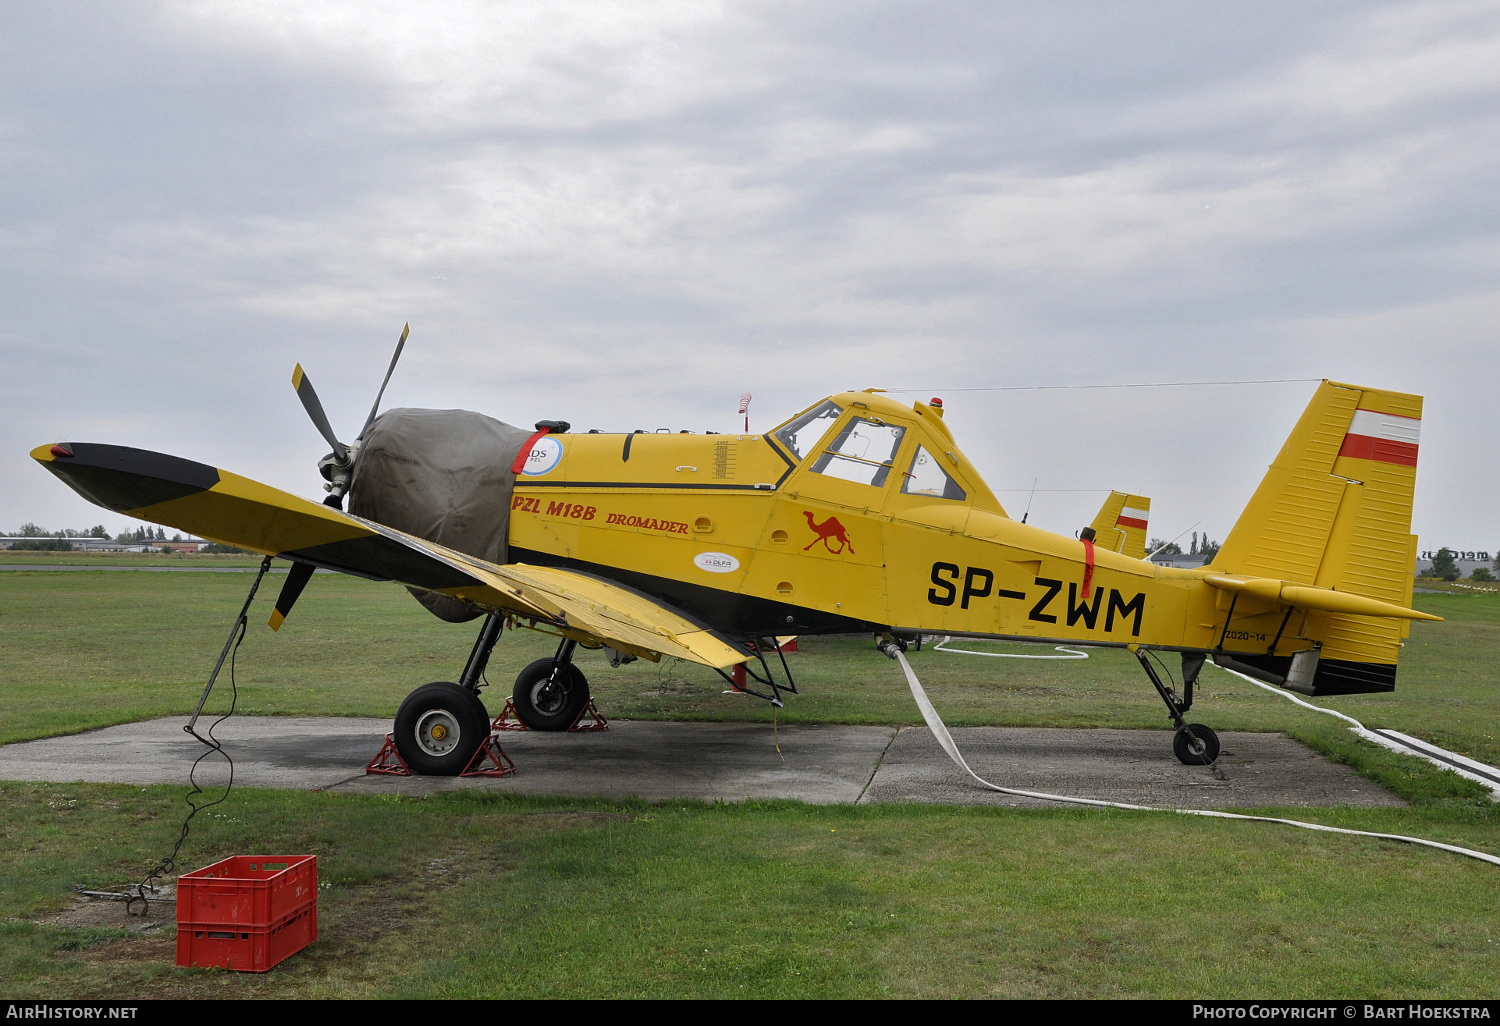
(1133, 518)
(1383, 437)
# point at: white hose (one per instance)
(1073, 653)
(940, 731)
(1396, 741)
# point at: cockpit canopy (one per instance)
(864, 447)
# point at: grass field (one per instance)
(474, 895)
(10, 558)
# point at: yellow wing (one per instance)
(234, 510)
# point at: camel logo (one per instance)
(830, 528)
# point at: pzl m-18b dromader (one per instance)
(859, 514)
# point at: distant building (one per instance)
(1467, 560)
(1179, 559)
(79, 544)
(110, 545)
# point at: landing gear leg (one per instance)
(1194, 744)
(479, 656)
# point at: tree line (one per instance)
(39, 539)
(1204, 546)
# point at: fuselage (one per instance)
(860, 514)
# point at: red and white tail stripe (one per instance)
(1383, 437)
(1133, 518)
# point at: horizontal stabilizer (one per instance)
(1306, 597)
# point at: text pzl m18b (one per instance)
(860, 514)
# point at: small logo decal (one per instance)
(545, 455)
(830, 528)
(716, 562)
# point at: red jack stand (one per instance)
(490, 761)
(507, 719)
(388, 761)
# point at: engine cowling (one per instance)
(444, 476)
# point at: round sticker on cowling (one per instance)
(716, 562)
(545, 454)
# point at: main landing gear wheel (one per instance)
(439, 728)
(547, 701)
(1199, 750)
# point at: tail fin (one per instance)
(1334, 512)
(1121, 524)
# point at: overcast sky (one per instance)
(625, 215)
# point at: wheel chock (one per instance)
(508, 720)
(388, 761)
(596, 722)
(490, 761)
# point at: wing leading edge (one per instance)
(233, 510)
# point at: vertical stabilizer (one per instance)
(1334, 511)
(1121, 524)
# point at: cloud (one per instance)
(640, 210)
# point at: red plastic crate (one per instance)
(254, 891)
(246, 949)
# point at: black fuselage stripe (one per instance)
(734, 613)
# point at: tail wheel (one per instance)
(545, 701)
(439, 728)
(1201, 749)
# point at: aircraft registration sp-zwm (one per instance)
(859, 514)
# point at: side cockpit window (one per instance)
(862, 452)
(927, 477)
(802, 435)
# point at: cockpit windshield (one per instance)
(862, 452)
(927, 477)
(802, 435)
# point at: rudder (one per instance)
(1121, 524)
(1334, 511)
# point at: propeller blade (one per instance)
(309, 396)
(389, 371)
(296, 580)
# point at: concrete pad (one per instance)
(822, 764)
(729, 761)
(303, 752)
(1135, 766)
(652, 760)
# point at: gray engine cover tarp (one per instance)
(442, 475)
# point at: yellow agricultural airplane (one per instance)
(859, 514)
